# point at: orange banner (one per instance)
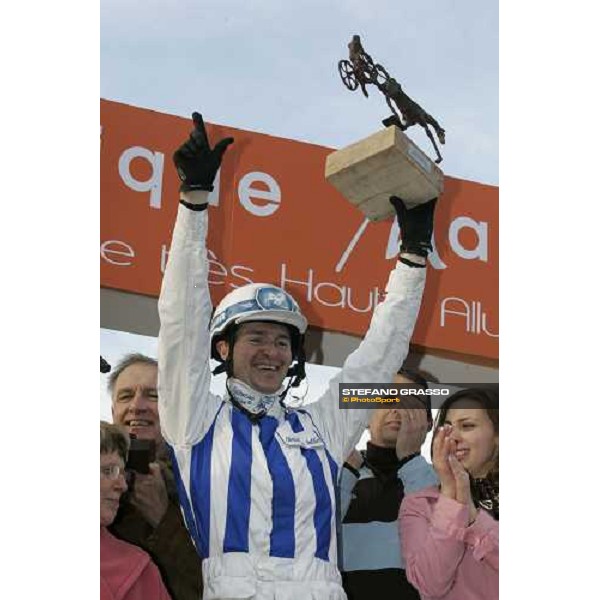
(275, 219)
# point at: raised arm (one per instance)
(184, 305)
(386, 342)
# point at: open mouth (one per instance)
(460, 454)
(267, 368)
(139, 423)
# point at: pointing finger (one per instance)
(199, 132)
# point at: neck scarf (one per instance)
(256, 403)
(486, 494)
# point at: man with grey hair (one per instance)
(132, 387)
(149, 515)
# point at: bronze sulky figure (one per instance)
(361, 71)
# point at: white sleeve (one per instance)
(377, 359)
(185, 405)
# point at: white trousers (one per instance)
(240, 576)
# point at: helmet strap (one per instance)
(220, 368)
(284, 394)
(298, 371)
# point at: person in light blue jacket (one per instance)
(372, 485)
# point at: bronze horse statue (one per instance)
(361, 71)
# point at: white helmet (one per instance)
(255, 302)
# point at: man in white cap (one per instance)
(256, 477)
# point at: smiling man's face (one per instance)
(135, 401)
(262, 354)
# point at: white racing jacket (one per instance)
(259, 499)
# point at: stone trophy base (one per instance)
(384, 164)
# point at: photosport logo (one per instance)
(381, 395)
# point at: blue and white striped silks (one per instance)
(277, 497)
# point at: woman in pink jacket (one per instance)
(126, 571)
(449, 534)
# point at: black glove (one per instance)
(196, 163)
(416, 226)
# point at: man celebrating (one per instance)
(257, 477)
(149, 515)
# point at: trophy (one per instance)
(387, 163)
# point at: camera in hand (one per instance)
(141, 454)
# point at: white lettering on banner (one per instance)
(164, 256)
(218, 268)
(247, 194)
(154, 183)
(312, 291)
(475, 318)
(215, 268)
(308, 284)
(373, 299)
(340, 292)
(480, 228)
(350, 247)
(235, 271)
(116, 248)
(480, 251)
(326, 293)
(434, 258)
